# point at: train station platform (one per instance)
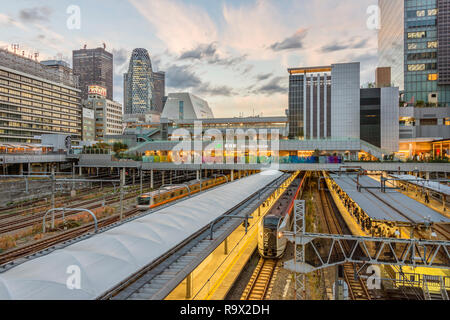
(416, 188)
(213, 279)
(109, 259)
(386, 206)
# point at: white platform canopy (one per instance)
(110, 257)
(393, 202)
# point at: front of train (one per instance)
(144, 202)
(269, 237)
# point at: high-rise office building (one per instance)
(93, 67)
(138, 84)
(324, 101)
(36, 99)
(391, 40)
(159, 80)
(327, 102)
(415, 35)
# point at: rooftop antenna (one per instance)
(104, 45)
(36, 55)
(23, 53)
(84, 47)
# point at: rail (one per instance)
(64, 210)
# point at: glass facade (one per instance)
(390, 39)
(181, 109)
(423, 86)
(159, 79)
(444, 42)
(139, 87)
(370, 116)
(414, 41)
(295, 117)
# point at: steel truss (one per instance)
(315, 251)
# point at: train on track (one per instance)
(174, 192)
(271, 243)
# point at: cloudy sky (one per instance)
(233, 53)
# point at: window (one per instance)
(416, 67)
(417, 35)
(447, 121)
(432, 77)
(432, 44)
(432, 12)
(181, 109)
(428, 122)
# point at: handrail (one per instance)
(69, 209)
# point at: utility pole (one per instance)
(53, 195)
(140, 173)
(122, 175)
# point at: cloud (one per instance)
(272, 87)
(179, 25)
(7, 21)
(182, 77)
(293, 42)
(120, 55)
(344, 46)
(200, 52)
(35, 14)
(209, 90)
(263, 76)
(252, 27)
(209, 53)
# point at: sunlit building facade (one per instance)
(35, 100)
(414, 41)
(390, 39)
(138, 84)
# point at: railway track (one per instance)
(260, 285)
(58, 238)
(25, 222)
(357, 287)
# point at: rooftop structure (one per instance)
(37, 69)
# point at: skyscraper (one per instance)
(416, 35)
(324, 101)
(390, 39)
(159, 79)
(138, 84)
(93, 67)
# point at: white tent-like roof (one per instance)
(106, 259)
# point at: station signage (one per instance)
(97, 90)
